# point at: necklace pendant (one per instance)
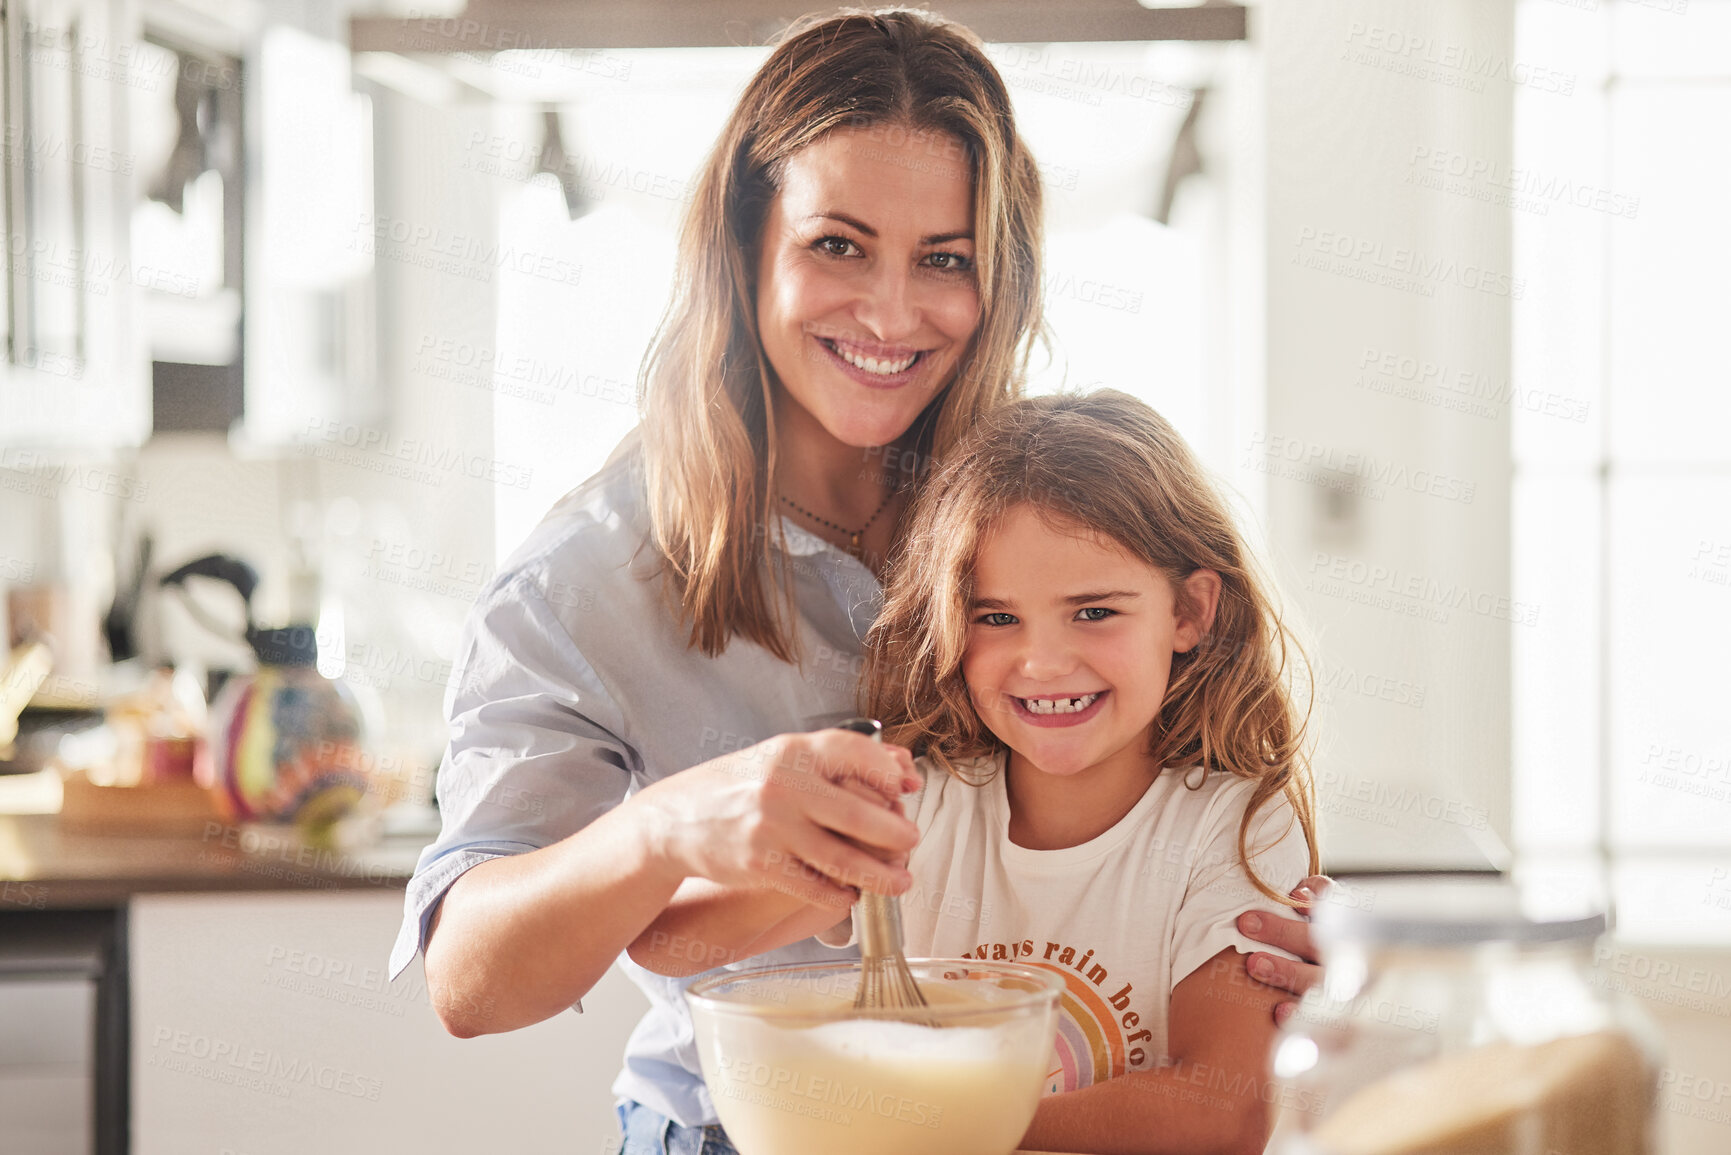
(854, 547)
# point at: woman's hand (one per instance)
(813, 816)
(1291, 934)
(774, 843)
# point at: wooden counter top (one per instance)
(46, 867)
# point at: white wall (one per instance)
(1413, 711)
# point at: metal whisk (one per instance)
(886, 983)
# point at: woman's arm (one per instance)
(520, 937)
(1214, 1099)
(517, 939)
(707, 925)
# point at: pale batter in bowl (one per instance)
(793, 1068)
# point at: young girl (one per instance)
(1074, 642)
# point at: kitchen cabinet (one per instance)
(263, 1025)
(74, 372)
(148, 146)
(260, 1020)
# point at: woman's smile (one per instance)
(875, 366)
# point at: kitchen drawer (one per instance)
(48, 1023)
(48, 999)
(46, 1110)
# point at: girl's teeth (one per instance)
(873, 364)
(1059, 705)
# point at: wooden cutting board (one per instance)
(166, 808)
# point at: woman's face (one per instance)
(865, 280)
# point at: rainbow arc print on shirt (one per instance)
(1092, 1045)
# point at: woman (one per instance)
(859, 279)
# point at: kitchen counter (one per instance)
(45, 867)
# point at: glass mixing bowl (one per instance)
(794, 1069)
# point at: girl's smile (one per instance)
(1060, 709)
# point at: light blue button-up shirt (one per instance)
(574, 686)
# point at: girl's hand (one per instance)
(1291, 934)
(811, 815)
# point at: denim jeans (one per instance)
(649, 1132)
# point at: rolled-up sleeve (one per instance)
(538, 748)
(1220, 889)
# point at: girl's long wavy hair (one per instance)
(708, 421)
(1108, 463)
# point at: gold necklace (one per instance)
(853, 535)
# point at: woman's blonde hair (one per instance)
(709, 425)
(1110, 464)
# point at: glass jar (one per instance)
(1451, 1021)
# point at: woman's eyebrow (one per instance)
(855, 223)
(851, 222)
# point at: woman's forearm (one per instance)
(708, 925)
(520, 938)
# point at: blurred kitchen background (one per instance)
(340, 297)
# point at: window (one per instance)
(1622, 491)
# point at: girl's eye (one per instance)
(997, 619)
(837, 246)
(1102, 612)
(950, 262)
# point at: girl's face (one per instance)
(865, 281)
(1070, 644)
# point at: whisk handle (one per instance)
(879, 925)
(870, 727)
(880, 915)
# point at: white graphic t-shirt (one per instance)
(1123, 917)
